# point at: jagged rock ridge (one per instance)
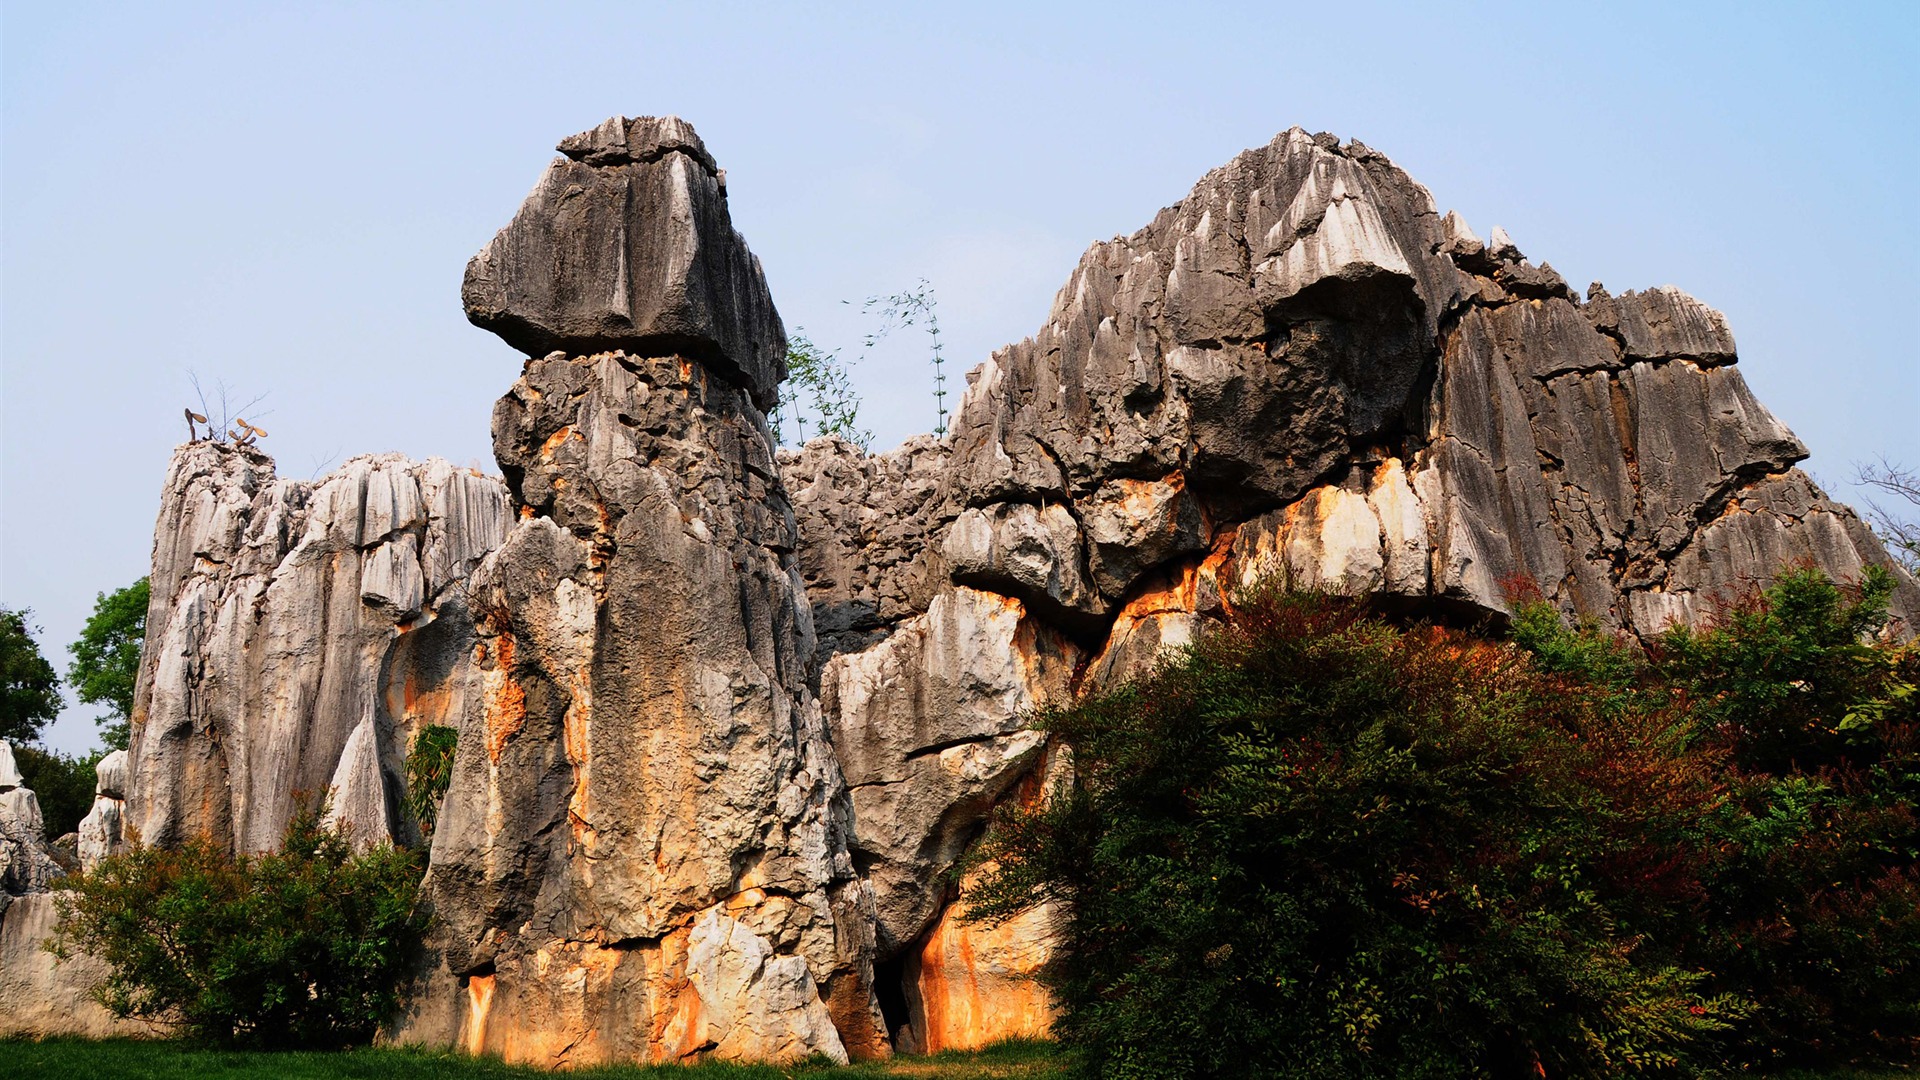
(730, 719)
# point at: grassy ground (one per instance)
(130, 1059)
(138, 1060)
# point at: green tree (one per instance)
(1317, 844)
(1320, 843)
(29, 687)
(106, 659)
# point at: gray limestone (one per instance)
(626, 243)
(730, 718)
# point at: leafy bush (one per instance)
(1317, 844)
(429, 771)
(1816, 895)
(303, 947)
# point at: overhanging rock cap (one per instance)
(626, 243)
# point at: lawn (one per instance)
(129, 1059)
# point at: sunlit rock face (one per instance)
(647, 260)
(731, 720)
(299, 633)
(643, 853)
(1301, 372)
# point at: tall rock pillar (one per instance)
(643, 853)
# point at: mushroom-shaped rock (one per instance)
(626, 243)
(110, 775)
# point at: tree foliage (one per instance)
(106, 658)
(29, 686)
(1320, 844)
(429, 772)
(820, 383)
(301, 947)
(62, 783)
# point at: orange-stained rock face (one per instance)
(506, 701)
(712, 988)
(972, 985)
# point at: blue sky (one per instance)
(282, 197)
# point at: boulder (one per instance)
(626, 243)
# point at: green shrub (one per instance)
(1816, 894)
(302, 947)
(429, 771)
(1317, 844)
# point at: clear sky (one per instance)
(283, 196)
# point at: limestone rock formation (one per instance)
(299, 635)
(42, 996)
(26, 863)
(652, 263)
(644, 850)
(102, 831)
(730, 719)
(1299, 370)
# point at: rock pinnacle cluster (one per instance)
(730, 717)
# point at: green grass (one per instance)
(133, 1059)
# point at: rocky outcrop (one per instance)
(103, 830)
(652, 264)
(300, 634)
(27, 864)
(643, 853)
(1300, 371)
(730, 720)
(42, 995)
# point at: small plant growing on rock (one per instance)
(429, 771)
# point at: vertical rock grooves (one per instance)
(279, 606)
(1300, 369)
(643, 853)
(730, 720)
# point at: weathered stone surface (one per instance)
(648, 750)
(285, 616)
(101, 832)
(110, 775)
(869, 561)
(626, 243)
(969, 985)
(26, 864)
(42, 996)
(730, 719)
(930, 727)
(1662, 324)
(649, 753)
(9, 771)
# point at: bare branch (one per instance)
(1898, 525)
